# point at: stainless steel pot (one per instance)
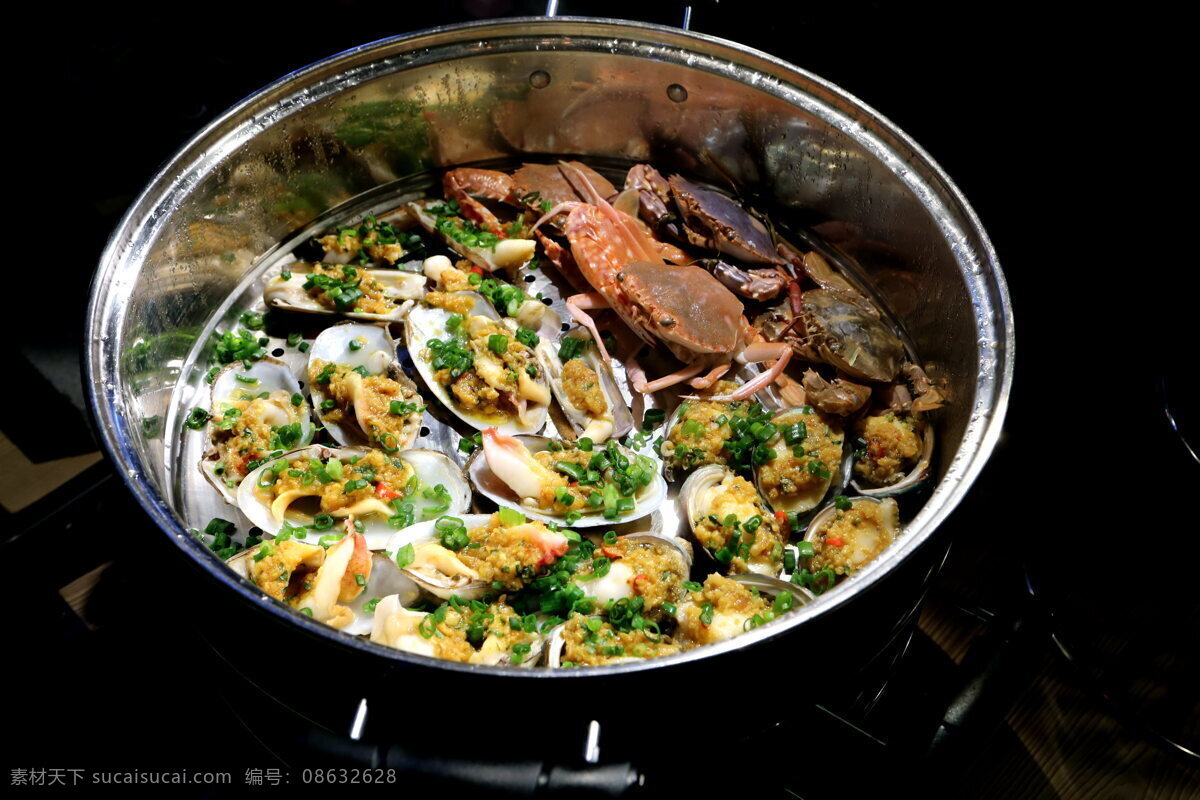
(528, 87)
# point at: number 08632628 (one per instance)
(344, 775)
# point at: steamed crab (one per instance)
(700, 321)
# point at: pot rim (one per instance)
(958, 222)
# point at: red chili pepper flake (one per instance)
(383, 492)
(637, 578)
(835, 541)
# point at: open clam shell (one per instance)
(325, 570)
(220, 464)
(666, 554)
(298, 504)
(366, 418)
(727, 623)
(799, 485)
(713, 493)
(911, 480)
(877, 526)
(597, 412)
(505, 254)
(425, 323)
(397, 289)
(496, 482)
(436, 569)
(401, 628)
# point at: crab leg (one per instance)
(576, 304)
(708, 380)
(760, 381)
(566, 205)
(638, 380)
(634, 239)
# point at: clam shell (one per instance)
(693, 497)
(487, 483)
(378, 356)
(393, 607)
(806, 501)
(385, 579)
(508, 254)
(891, 520)
(729, 626)
(914, 479)
(431, 467)
(617, 421)
(437, 583)
(402, 288)
(272, 375)
(618, 583)
(428, 322)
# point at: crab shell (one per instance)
(646, 500)
(400, 287)
(850, 336)
(839, 472)
(713, 220)
(696, 496)
(686, 308)
(431, 467)
(429, 322)
(508, 254)
(272, 374)
(378, 356)
(351, 616)
(890, 517)
(616, 421)
(912, 480)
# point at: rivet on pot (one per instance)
(539, 79)
(677, 93)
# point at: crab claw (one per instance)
(512, 463)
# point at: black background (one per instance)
(1025, 110)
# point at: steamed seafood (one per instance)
(576, 483)
(585, 564)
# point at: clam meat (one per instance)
(730, 520)
(377, 492)
(476, 364)
(359, 390)
(564, 482)
(254, 412)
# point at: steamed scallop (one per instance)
(850, 533)
(254, 412)
(335, 582)
(380, 492)
(469, 554)
(809, 454)
(382, 295)
(359, 390)
(640, 565)
(563, 483)
(585, 387)
(731, 521)
(482, 248)
(897, 450)
(475, 364)
(725, 607)
(451, 633)
(585, 641)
